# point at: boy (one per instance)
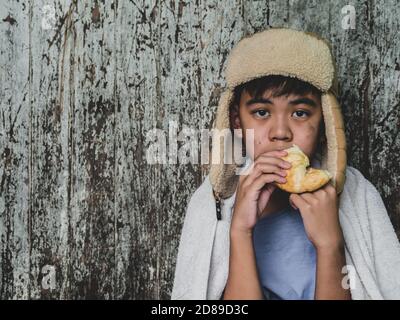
(266, 243)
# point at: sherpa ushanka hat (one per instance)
(283, 52)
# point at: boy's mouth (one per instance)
(282, 147)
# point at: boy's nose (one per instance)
(280, 132)
(281, 138)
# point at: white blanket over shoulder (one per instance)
(372, 247)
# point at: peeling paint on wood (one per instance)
(79, 92)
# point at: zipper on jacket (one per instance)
(218, 205)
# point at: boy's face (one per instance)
(280, 122)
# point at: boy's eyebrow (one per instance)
(307, 101)
(258, 100)
(261, 100)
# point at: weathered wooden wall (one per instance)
(77, 100)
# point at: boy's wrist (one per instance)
(238, 228)
(236, 231)
(333, 248)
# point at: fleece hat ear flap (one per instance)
(335, 158)
(223, 175)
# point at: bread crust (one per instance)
(300, 177)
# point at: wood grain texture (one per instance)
(15, 145)
(80, 94)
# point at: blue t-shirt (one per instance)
(286, 259)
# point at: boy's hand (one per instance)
(319, 210)
(255, 188)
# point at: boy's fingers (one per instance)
(263, 179)
(274, 161)
(266, 163)
(298, 201)
(269, 168)
(275, 153)
(263, 168)
(308, 197)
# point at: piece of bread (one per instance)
(300, 178)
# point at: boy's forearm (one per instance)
(243, 281)
(329, 275)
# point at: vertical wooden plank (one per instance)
(135, 78)
(73, 158)
(138, 185)
(350, 48)
(384, 110)
(14, 149)
(50, 39)
(92, 153)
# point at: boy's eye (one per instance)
(301, 114)
(261, 113)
